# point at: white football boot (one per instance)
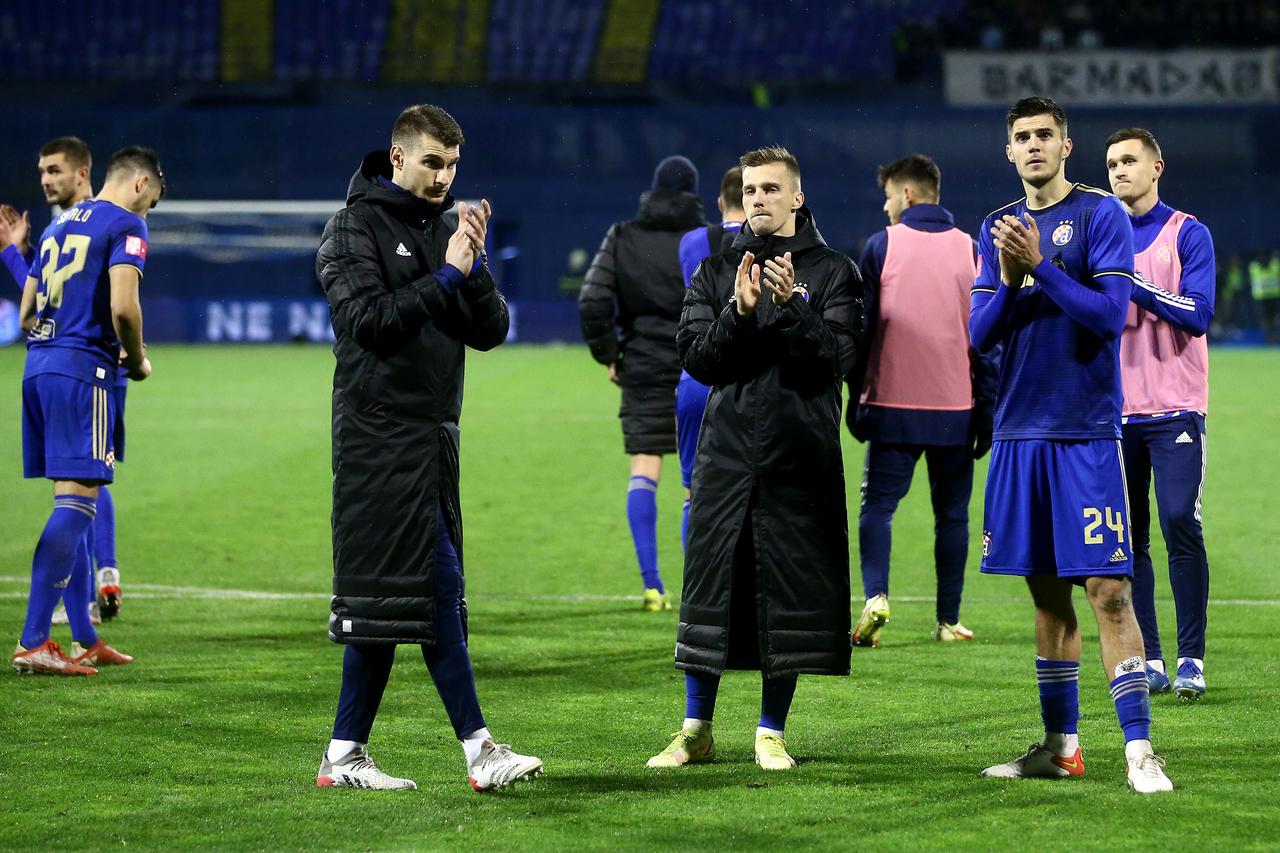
(498, 767)
(357, 770)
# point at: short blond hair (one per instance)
(772, 154)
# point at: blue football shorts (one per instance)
(67, 428)
(691, 402)
(1057, 508)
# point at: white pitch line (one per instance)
(154, 590)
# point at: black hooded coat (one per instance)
(766, 578)
(631, 296)
(397, 397)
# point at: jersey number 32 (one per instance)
(53, 272)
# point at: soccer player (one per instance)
(922, 389)
(1057, 270)
(1164, 360)
(629, 306)
(691, 395)
(772, 326)
(409, 290)
(82, 317)
(65, 165)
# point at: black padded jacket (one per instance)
(397, 398)
(630, 300)
(768, 484)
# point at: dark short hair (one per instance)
(917, 169)
(1146, 137)
(1037, 106)
(426, 120)
(771, 154)
(731, 188)
(71, 147)
(133, 159)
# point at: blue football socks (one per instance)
(775, 701)
(642, 513)
(54, 562)
(700, 690)
(104, 530)
(1133, 703)
(1059, 682)
(80, 593)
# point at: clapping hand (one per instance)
(746, 285)
(15, 228)
(780, 276)
(467, 242)
(1019, 245)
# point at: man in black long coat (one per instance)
(408, 288)
(629, 307)
(766, 580)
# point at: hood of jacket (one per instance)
(669, 210)
(806, 237)
(401, 203)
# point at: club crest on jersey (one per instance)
(1062, 234)
(801, 289)
(986, 543)
(135, 246)
(1163, 255)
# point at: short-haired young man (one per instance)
(1164, 361)
(922, 390)
(64, 166)
(1057, 270)
(691, 395)
(409, 290)
(766, 579)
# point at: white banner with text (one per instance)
(1115, 77)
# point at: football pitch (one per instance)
(212, 739)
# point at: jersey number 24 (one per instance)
(1095, 517)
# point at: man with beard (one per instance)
(772, 326)
(408, 291)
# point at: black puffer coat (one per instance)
(632, 293)
(397, 397)
(769, 458)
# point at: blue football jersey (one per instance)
(1060, 379)
(74, 334)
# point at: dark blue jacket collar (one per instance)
(928, 217)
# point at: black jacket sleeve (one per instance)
(712, 343)
(361, 305)
(870, 263)
(826, 344)
(486, 319)
(598, 303)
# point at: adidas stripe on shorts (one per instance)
(68, 428)
(1056, 508)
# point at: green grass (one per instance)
(211, 740)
